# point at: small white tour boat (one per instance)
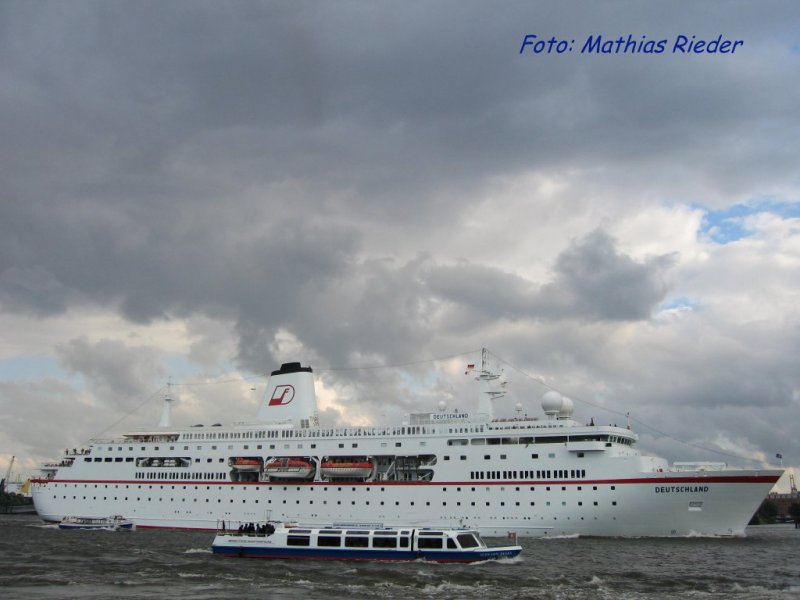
(115, 522)
(357, 542)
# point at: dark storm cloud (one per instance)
(226, 158)
(592, 281)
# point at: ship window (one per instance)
(356, 542)
(384, 542)
(430, 543)
(298, 540)
(329, 541)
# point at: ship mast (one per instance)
(489, 381)
(166, 412)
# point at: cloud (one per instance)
(115, 372)
(591, 281)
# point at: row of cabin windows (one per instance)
(324, 489)
(305, 432)
(339, 502)
(322, 433)
(335, 541)
(550, 439)
(184, 475)
(538, 474)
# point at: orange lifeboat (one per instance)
(347, 468)
(290, 468)
(244, 463)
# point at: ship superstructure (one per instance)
(532, 477)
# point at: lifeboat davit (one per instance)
(290, 468)
(243, 463)
(352, 469)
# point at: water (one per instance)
(42, 562)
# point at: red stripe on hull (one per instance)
(657, 479)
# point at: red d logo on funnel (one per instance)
(282, 394)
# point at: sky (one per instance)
(192, 193)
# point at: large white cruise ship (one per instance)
(526, 476)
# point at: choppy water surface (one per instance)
(40, 561)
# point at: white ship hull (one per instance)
(553, 477)
(633, 508)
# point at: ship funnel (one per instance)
(290, 397)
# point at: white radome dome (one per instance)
(557, 405)
(551, 402)
(567, 406)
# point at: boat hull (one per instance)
(661, 505)
(127, 526)
(243, 551)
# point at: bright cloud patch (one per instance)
(734, 222)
